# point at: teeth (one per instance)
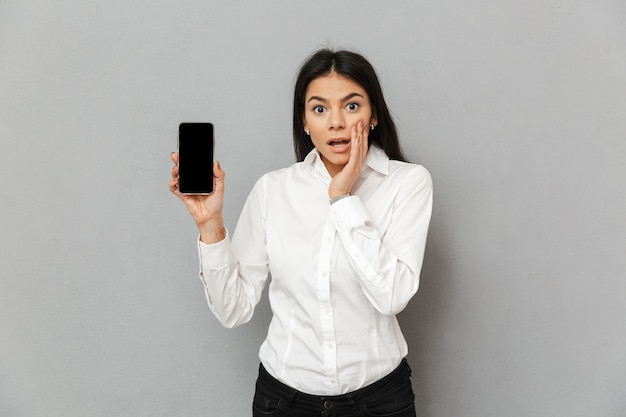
(338, 142)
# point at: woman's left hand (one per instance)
(344, 180)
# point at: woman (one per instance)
(342, 233)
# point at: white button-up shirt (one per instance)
(339, 273)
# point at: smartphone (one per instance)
(195, 158)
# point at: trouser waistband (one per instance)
(378, 388)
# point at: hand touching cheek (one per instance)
(344, 180)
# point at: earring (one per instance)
(308, 132)
(372, 126)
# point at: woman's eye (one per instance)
(318, 109)
(352, 106)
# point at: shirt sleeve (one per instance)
(388, 263)
(234, 273)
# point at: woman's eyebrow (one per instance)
(323, 100)
(352, 95)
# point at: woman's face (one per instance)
(332, 105)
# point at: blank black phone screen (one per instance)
(195, 163)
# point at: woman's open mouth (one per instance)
(339, 144)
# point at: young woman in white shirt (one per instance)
(342, 233)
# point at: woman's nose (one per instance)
(336, 121)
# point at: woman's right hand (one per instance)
(206, 210)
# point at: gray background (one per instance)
(518, 109)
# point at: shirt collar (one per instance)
(376, 159)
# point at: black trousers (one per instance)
(392, 396)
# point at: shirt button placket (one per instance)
(327, 324)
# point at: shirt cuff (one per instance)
(339, 197)
(214, 255)
(348, 213)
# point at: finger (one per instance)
(366, 134)
(218, 173)
(173, 185)
(365, 139)
(361, 142)
(217, 170)
(218, 176)
(357, 137)
(174, 156)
